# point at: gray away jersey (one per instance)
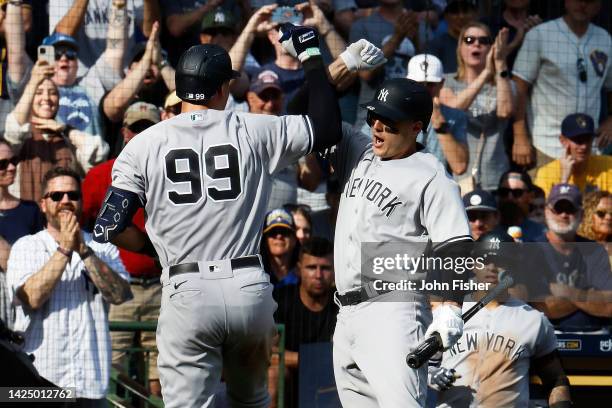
(493, 356)
(411, 200)
(204, 179)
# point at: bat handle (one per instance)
(424, 351)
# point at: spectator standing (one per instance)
(61, 282)
(88, 21)
(279, 248)
(17, 219)
(481, 211)
(389, 19)
(514, 196)
(142, 269)
(307, 310)
(597, 222)
(36, 136)
(562, 68)
(577, 165)
(445, 137)
(457, 14)
(570, 278)
(482, 88)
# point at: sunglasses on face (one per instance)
(140, 126)
(602, 213)
(516, 192)
(477, 215)
(482, 40)
(59, 195)
(582, 139)
(68, 52)
(390, 126)
(4, 163)
(564, 207)
(582, 72)
(284, 232)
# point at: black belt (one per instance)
(358, 295)
(236, 263)
(144, 281)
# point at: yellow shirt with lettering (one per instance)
(598, 175)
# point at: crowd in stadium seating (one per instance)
(522, 120)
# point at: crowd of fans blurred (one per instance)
(522, 120)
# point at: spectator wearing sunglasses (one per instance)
(457, 15)
(481, 211)
(569, 275)
(578, 165)
(61, 283)
(562, 68)
(143, 271)
(597, 222)
(482, 88)
(280, 247)
(36, 135)
(514, 197)
(17, 219)
(80, 95)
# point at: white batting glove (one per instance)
(362, 55)
(440, 378)
(447, 322)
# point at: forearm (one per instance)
(241, 47)
(117, 101)
(464, 99)
(70, 23)
(5, 250)
(15, 42)
(131, 239)
(456, 153)
(504, 97)
(151, 14)
(594, 302)
(37, 289)
(334, 41)
(113, 287)
(560, 393)
(168, 75)
(323, 109)
(339, 73)
(178, 24)
(24, 106)
(116, 41)
(555, 307)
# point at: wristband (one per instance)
(504, 74)
(64, 252)
(88, 252)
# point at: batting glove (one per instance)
(362, 55)
(440, 378)
(447, 322)
(301, 42)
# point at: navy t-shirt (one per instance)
(25, 219)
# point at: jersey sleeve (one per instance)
(546, 341)
(527, 61)
(128, 171)
(344, 156)
(283, 140)
(443, 211)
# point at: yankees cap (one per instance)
(402, 99)
(480, 200)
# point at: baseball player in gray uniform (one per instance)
(489, 365)
(204, 178)
(393, 192)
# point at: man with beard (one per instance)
(514, 196)
(571, 280)
(61, 282)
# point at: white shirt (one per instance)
(69, 334)
(548, 61)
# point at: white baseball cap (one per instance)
(425, 68)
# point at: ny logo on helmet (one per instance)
(382, 95)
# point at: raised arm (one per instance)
(178, 24)
(152, 14)
(71, 22)
(116, 40)
(117, 100)
(15, 42)
(314, 17)
(522, 149)
(505, 99)
(23, 110)
(259, 23)
(157, 59)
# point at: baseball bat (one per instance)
(433, 343)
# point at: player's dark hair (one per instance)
(316, 246)
(60, 172)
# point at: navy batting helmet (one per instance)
(498, 247)
(201, 70)
(402, 99)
